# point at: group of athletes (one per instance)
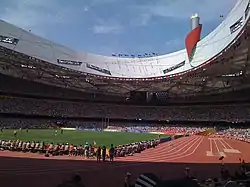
(101, 153)
(87, 151)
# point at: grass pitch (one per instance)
(77, 137)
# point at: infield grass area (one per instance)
(77, 137)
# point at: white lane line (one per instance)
(224, 141)
(186, 155)
(169, 157)
(220, 153)
(211, 145)
(223, 145)
(166, 150)
(162, 152)
(218, 150)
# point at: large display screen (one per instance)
(8, 40)
(236, 25)
(174, 67)
(96, 68)
(69, 62)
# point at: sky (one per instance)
(115, 26)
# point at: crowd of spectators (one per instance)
(170, 129)
(42, 123)
(73, 108)
(226, 179)
(87, 150)
(23, 123)
(240, 178)
(242, 134)
(77, 109)
(16, 123)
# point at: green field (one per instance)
(77, 137)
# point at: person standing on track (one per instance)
(86, 150)
(98, 154)
(104, 153)
(111, 153)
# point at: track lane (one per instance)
(179, 150)
(166, 152)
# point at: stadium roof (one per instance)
(218, 62)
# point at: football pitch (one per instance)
(77, 137)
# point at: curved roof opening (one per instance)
(115, 27)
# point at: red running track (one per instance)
(167, 161)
